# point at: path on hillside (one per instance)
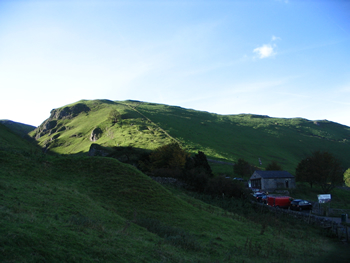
(167, 134)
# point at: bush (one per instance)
(220, 185)
(167, 172)
(243, 168)
(169, 156)
(196, 179)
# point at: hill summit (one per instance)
(72, 129)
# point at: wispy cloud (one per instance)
(265, 51)
(274, 38)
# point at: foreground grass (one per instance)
(80, 209)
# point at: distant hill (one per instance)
(19, 128)
(10, 140)
(145, 125)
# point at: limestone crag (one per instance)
(95, 134)
(50, 125)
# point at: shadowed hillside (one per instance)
(19, 128)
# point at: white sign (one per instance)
(324, 198)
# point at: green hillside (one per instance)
(57, 208)
(222, 137)
(17, 127)
(9, 140)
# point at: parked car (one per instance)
(255, 190)
(279, 201)
(299, 204)
(260, 196)
(264, 199)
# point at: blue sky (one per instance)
(282, 58)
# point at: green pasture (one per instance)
(74, 208)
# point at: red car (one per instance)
(279, 201)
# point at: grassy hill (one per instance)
(9, 140)
(57, 208)
(222, 137)
(17, 127)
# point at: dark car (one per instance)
(260, 197)
(299, 204)
(264, 199)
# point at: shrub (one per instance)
(196, 178)
(167, 172)
(243, 168)
(273, 166)
(169, 156)
(220, 185)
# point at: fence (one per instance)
(330, 227)
(325, 210)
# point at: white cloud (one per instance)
(274, 38)
(265, 51)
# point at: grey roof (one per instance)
(273, 174)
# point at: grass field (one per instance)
(92, 209)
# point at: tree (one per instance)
(197, 172)
(114, 116)
(347, 177)
(169, 156)
(304, 173)
(243, 168)
(273, 166)
(199, 161)
(321, 168)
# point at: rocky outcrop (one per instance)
(69, 112)
(95, 134)
(97, 150)
(50, 125)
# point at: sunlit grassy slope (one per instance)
(225, 137)
(94, 209)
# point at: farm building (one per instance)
(271, 180)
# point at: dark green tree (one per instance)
(243, 168)
(169, 156)
(114, 116)
(321, 168)
(200, 161)
(273, 166)
(197, 172)
(304, 173)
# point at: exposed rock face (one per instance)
(97, 150)
(50, 125)
(69, 112)
(95, 134)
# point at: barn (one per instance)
(272, 180)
